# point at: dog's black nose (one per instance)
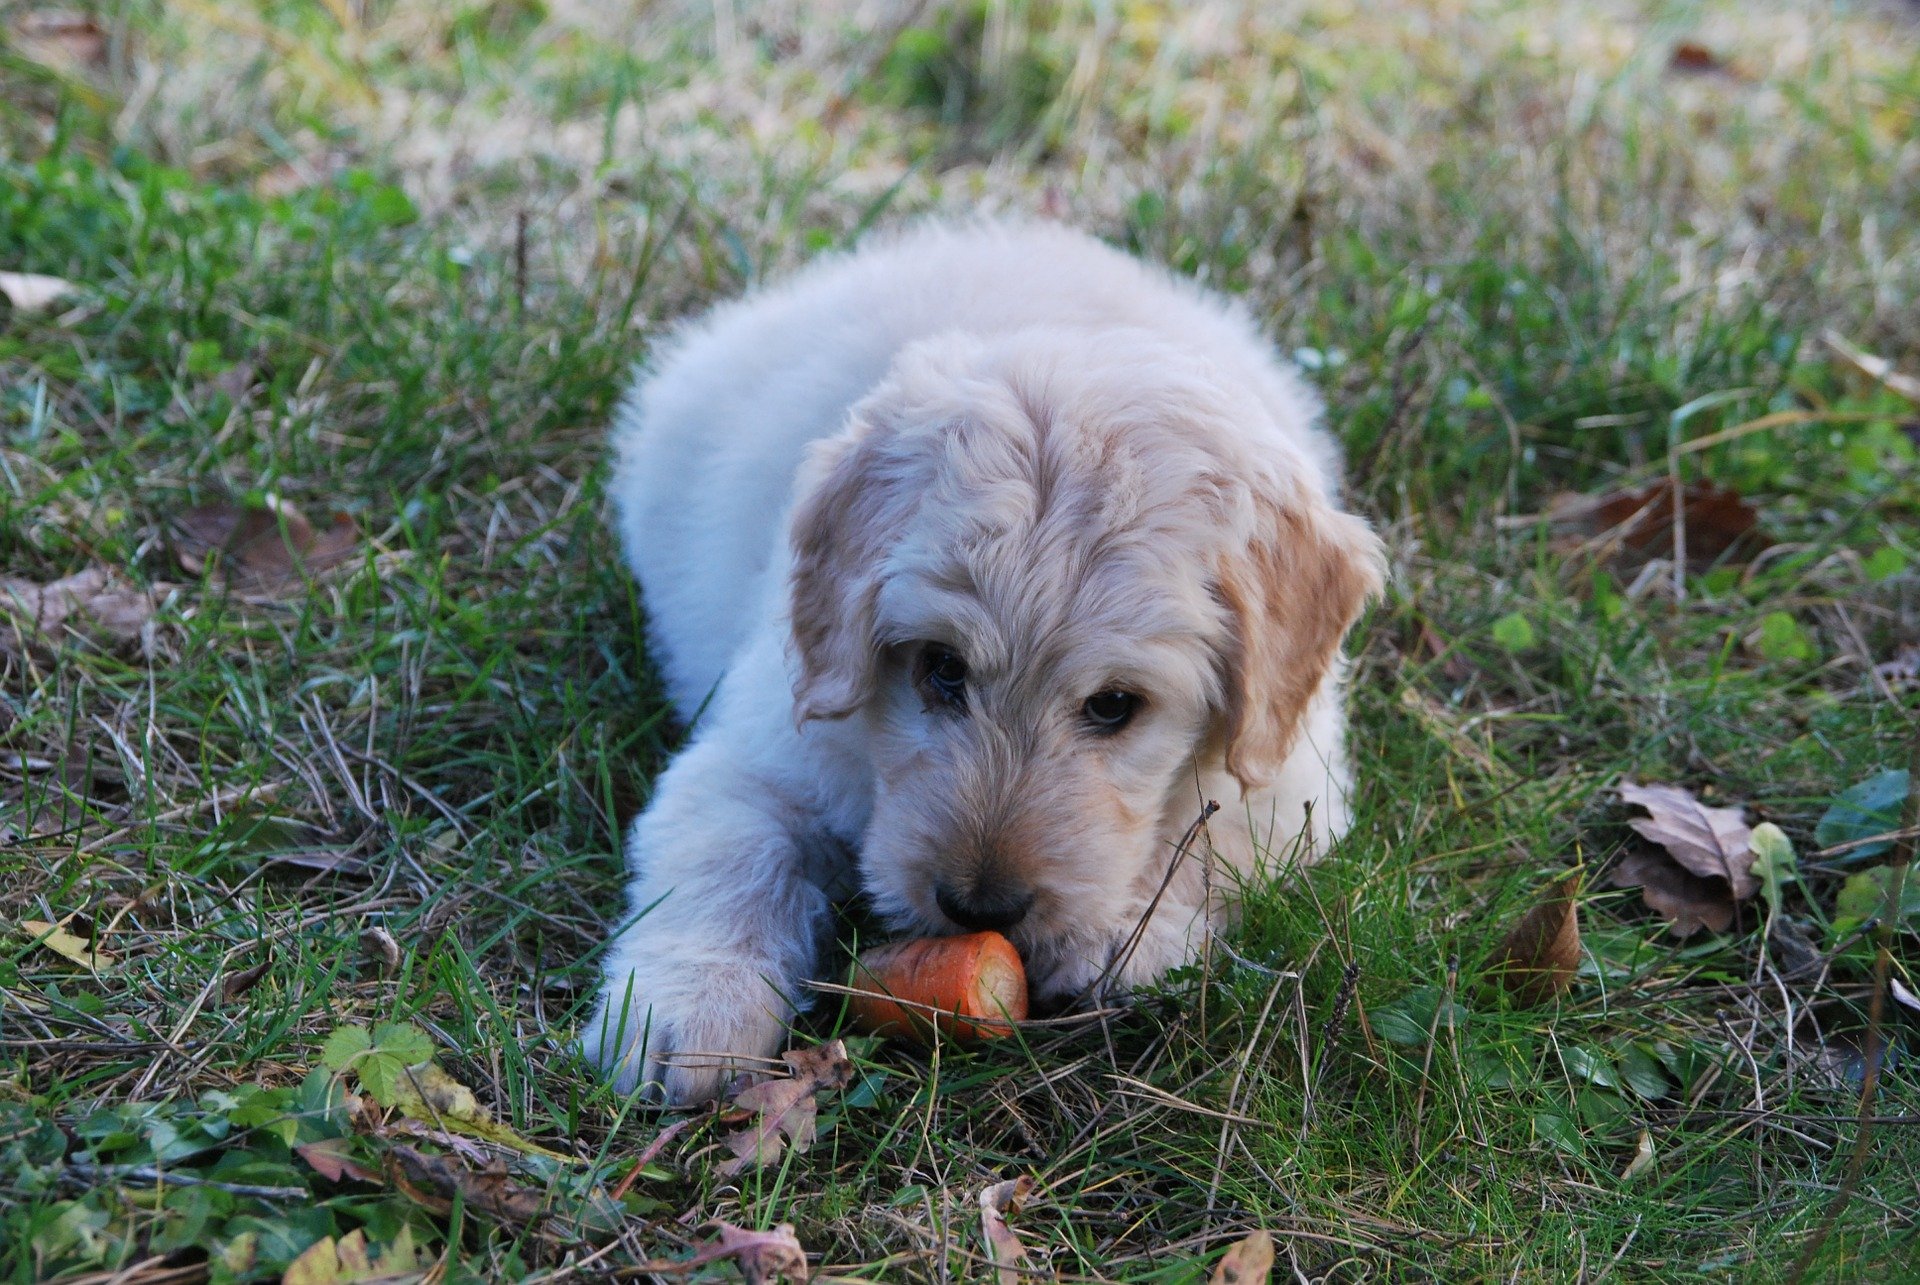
(996, 908)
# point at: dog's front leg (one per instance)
(723, 926)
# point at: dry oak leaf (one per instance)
(1633, 526)
(1003, 1247)
(269, 549)
(1705, 868)
(1540, 956)
(1247, 1262)
(92, 602)
(786, 1110)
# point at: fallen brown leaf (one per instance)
(1247, 1262)
(33, 291)
(92, 602)
(432, 1181)
(234, 985)
(269, 549)
(761, 1255)
(785, 1110)
(1711, 842)
(1636, 525)
(330, 1160)
(1642, 1159)
(377, 944)
(1003, 1247)
(1704, 867)
(1692, 56)
(58, 39)
(1541, 954)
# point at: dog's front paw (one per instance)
(683, 1036)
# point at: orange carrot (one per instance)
(975, 976)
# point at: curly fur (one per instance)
(1076, 472)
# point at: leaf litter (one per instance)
(762, 1256)
(1637, 525)
(267, 550)
(1004, 1249)
(393, 1064)
(67, 945)
(1702, 867)
(785, 1111)
(93, 602)
(1540, 955)
(350, 1258)
(1246, 1262)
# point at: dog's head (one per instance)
(1054, 575)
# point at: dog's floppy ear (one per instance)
(1293, 593)
(848, 509)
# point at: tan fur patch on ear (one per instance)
(838, 537)
(1293, 595)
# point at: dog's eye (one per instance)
(944, 675)
(1110, 711)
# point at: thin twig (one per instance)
(149, 1175)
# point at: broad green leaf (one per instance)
(1590, 1065)
(380, 1074)
(343, 1046)
(1686, 1062)
(1781, 638)
(1641, 1071)
(1409, 1019)
(1514, 632)
(1886, 563)
(1869, 808)
(405, 1041)
(1864, 896)
(1560, 1131)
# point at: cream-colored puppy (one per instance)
(978, 559)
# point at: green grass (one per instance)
(1519, 256)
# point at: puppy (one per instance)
(978, 560)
